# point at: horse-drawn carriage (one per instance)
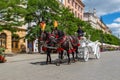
(83, 50)
(88, 47)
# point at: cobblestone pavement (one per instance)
(33, 67)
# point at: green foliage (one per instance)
(11, 12)
(1, 51)
(49, 11)
(68, 22)
(33, 33)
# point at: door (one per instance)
(15, 43)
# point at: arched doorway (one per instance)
(15, 43)
(3, 37)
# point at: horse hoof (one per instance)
(46, 62)
(74, 61)
(69, 63)
(57, 64)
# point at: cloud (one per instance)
(115, 27)
(102, 6)
(117, 20)
(116, 32)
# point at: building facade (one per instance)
(76, 6)
(96, 22)
(13, 43)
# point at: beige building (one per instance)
(13, 43)
(95, 22)
(76, 6)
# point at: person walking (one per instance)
(30, 48)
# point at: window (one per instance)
(78, 8)
(76, 13)
(68, 1)
(81, 10)
(76, 5)
(3, 40)
(72, 2)
(15, 41)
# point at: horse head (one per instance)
(43, 37)
(48, 38)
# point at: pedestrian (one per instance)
(30, 47)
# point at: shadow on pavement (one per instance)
(42, 63)
(64, 62)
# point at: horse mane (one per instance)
(44, 36)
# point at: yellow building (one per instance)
(13, 43)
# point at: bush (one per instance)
(2, 56)
(2, 50)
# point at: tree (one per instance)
(68, 22)
(41, 10)
(11, 14)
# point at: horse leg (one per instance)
(48, 56)
(60, 56)
(73, 57)
(76, 57)
(47, 59)
(68, 58)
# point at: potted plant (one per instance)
(2, 55)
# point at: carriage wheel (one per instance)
(97, 55)
(80, 53)
(86, 54)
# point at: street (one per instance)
(33, 67)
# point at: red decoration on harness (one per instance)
(73, 41)
(56, 36)
(60, 49)
(70, 51)
(63, 39)
(73, 50)
(44, 48)
(78, 44)
(79, 37)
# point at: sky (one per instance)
(109, 10)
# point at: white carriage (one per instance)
(88, 47)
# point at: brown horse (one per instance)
(47, 40)
(67, 43)
(75, 43)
